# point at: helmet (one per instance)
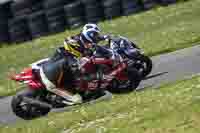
(90, 33)
(91, 26)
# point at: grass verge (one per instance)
(170, 108)
(161, 30)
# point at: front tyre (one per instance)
(146, 64)
(24, 110)
(134, 78)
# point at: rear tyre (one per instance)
(26, 111)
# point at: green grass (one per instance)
(170, 108)
(160, 30)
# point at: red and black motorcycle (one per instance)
(36, 100)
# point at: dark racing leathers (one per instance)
(96, 51)
(59, 71)
(58, 75)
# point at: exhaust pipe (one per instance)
(36, 102)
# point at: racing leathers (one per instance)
(96, 50)
(64, 67)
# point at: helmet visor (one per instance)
(96, 37)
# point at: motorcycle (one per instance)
(36, 100)
(129, 50)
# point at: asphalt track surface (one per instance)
(167, 68)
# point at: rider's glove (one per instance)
(107, 37)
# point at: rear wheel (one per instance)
(24, 110)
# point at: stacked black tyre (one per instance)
(74, 14)
(38, 24)
(4, 36)
(49, 4)
(93, 10)
(18, 29)
(112, 8)
(166, 2)
(131, 7)
(4, 16)
(56, 19)
(55, 15)
(148, 4)
(24, 7)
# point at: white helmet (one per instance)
(91, 32)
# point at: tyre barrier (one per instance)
(166, 2)
(74, 14)
(131, 7)
(18, 29)
(4, 17)
(4, 36)
(112, 8)
(93, 10)
(21, 7)
(26, 19)
(25, 7)
(5, 12)
(55, 20)
(148, 4)
(75, 22)
(50, 4)
(37, 24)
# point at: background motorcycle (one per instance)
(129, 50)
(36, 100)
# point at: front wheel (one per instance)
(134, 79)
(144, 63)
(24, 110)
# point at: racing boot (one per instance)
(70, 98)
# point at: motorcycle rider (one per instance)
(87, 45)
(55, 74)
